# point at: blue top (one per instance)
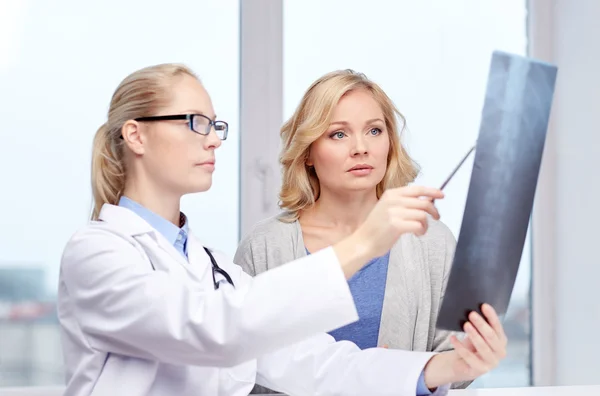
(368, 289)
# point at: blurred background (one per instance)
(60, 62)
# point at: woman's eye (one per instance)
(338, 135)
(375, 131)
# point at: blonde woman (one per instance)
(341, 152)
(147, 310)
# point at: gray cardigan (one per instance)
(416, 279)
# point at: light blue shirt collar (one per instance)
(175, 235)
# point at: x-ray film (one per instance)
(507, 161)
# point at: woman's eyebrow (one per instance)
(367, 122)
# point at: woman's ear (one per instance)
(309, 161)
(132, 136)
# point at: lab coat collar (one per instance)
(130, 223)
(162, 225)
(126, 220)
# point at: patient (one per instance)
(341, 151)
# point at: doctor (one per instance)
(146, 309)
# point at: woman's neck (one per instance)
(343, 211)
(165, 205)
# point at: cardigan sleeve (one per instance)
(244, 257)
(441, 340)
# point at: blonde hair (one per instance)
(300, 188)
(140, 94)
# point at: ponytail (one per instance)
(108, 176)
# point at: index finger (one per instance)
(494, 321)
(422, 191)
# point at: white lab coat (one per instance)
(139, 320)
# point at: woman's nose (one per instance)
(360, 146)
(212, 140)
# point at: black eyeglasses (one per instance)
(198, 123)
(216, 268)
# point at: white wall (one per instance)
(567, 217)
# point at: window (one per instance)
(432, 59)
(59, 65)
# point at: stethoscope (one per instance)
(216, 268)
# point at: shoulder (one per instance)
(96, 249)
(97, 238)
(272, 229)
(270, 242)
(96, 235)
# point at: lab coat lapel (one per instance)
(136, 227)
(171, 250)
